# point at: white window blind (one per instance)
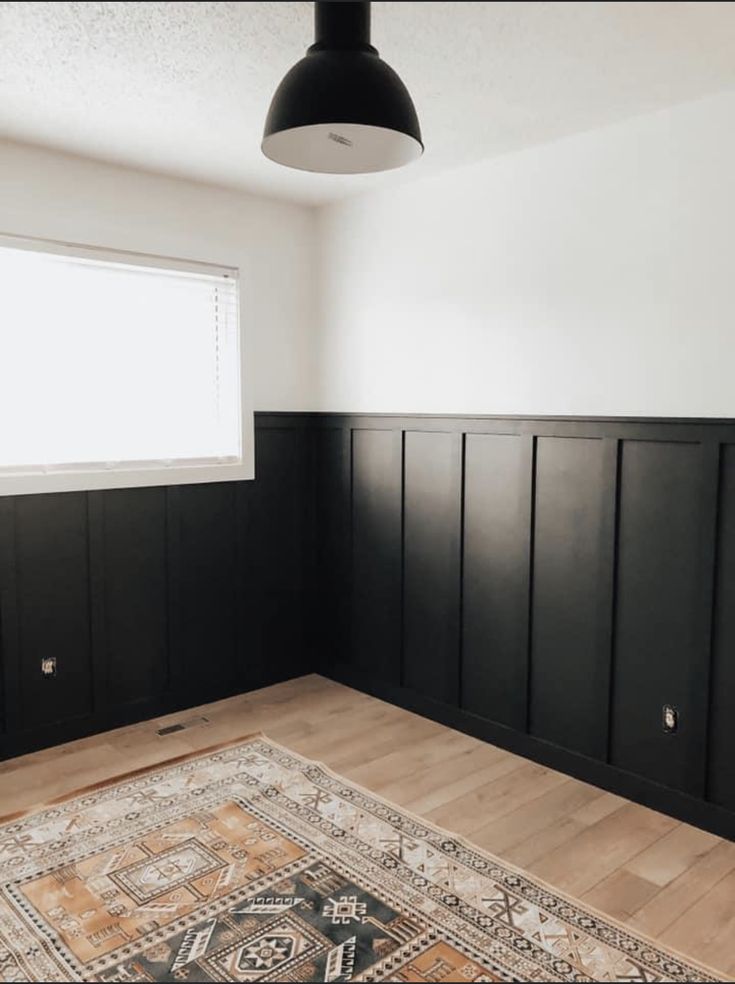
(116, 365)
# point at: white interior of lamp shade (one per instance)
(341, 148)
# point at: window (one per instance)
(117, 370)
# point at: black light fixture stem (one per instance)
(342, 24)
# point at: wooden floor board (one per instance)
(663, 878)
(696, 883)
(602, 848)
(672, 855)
(530, 819)
(537, 846)
(708, 926)
(620, 894)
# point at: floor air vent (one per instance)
(171, 729)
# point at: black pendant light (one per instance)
(341, 109)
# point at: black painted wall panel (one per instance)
(53, 607)
(722, 723)
(130, 526)
(9, 684)
(432, 519)
(375, 620)
(497, 514)
(571, 610)
(273, 532)
(204, 629)
(331, 633)
(660, 655)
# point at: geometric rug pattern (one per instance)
(250, 863)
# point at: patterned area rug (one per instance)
(250, 863)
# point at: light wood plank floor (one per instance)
(664, 878)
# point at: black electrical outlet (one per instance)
(670, 719)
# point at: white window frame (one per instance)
(137, 474)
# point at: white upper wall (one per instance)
(592, 275)
(57, 196)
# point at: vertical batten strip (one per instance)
(167, 531)
(402, 671)
(460, 620)
(9, 623)
(618, 444)
(96, 583)
(532, 455)
(608, 552)
(711, 516)
(173, 568)
(348, 482)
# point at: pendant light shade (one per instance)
(341, 109)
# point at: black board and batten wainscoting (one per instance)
(154, 599)
(550, 585)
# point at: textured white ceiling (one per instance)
(184, 87)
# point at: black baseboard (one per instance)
(708, 816)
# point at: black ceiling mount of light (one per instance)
(341, 109)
